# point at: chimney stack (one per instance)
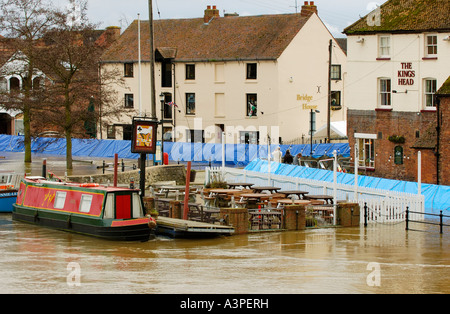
(211, 13)
(308, 8)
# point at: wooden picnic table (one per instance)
(300, 194)
(327, 198)
(260, 189)
(237, 184)
(257, 196)
(284, 202)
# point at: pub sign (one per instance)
(144, 136)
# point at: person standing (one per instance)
(277, 155)
(288, 158)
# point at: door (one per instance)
(123, 206)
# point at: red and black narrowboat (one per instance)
(106, 212)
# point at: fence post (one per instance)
(441, 222)
(407, 218)
(365, 214)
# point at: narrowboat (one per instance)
(107, 212)
(8, 191)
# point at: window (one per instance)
(37, 83)
(129, 101)
(60, 199)
(128, 69)
(366, 153)
(14, 83)
(385, 92)
(252, 105)
(111, 131)
(137, 206)
(85, 203)
(431, 45)
(109, 207)
(336, 100)
(190, 103)
(384, 46)
(190, 71)
(168, 106)
(429, 91)
(166, 74)
(336, 72)
(251, 71)
(219, 73)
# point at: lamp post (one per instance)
(161, 99)
(312, 123)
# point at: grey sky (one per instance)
(335, 14)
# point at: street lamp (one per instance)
(161, 99)
(312, 123)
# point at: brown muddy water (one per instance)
(373, 260)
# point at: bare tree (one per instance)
(25, 22)
(71, 56)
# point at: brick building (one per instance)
(443, 134)
(398, 57)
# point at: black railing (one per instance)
(440, 224)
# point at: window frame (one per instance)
(60, 196)
(366, 145)
(128, 69)
(84, 200)
(189, 109)
(433, 45)
(251, 71)
(429, 94)
(129, 98)
(382, 47)
(382, 93)
(249, 101)
(333, 71)
(190, 72)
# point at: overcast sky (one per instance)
(336, 14)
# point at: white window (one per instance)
(85, 203)
(431, 45)
(60, 199)
(109, 207)
(366, 153)
(385, 96)
(429, 91)
(137, 206)
(384, 46)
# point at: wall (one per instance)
(444, 147)
(364, 69)
(385, 124)
(153, 174)
(306, 62)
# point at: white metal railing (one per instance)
(383, 206)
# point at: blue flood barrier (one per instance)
(235, 154)
(437, 197)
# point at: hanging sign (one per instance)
(144, 136)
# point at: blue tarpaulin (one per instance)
(235, 154)
(437, 197)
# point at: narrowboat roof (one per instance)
(94, 186)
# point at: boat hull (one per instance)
(138, 230)
(7, 199)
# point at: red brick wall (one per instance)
(444, 145)
(388, 123)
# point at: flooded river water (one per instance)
(377, 259)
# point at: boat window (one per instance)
(85, 203)
(60, 199)
(109, 207)
(137, 206)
